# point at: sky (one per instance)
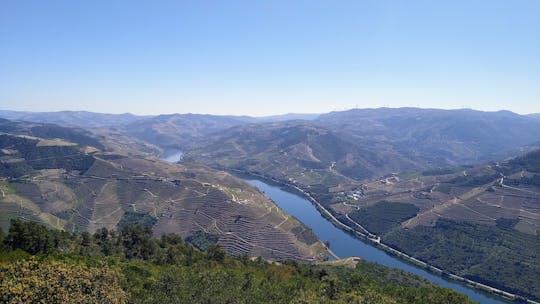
(268, 57)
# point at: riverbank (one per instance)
(375, 242)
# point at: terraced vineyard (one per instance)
(487, 216)
(87, 191)
(405, 205)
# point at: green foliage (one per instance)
(138, 242)
(42, 157)
(526, 180)
(14, 169)
(384, 216)
(505, 223)
(110, 267)
(202, 240)
(31, 237)
(215, 253)
(529, 161)
(503, 258)
(132, 218)
(33, 281)
(474, 180)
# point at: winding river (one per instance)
(342, 244)
(345, 245)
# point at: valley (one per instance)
(375, 173)
(344, 244)
(66, 186)
(394, 196)
(279, 152)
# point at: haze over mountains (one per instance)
(462, 183)
(81, 119)
(439, 137)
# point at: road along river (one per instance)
(344, 245)
(341, 243)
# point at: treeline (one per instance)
(497, 255)
(40, 157)
(384, 216)
(130, 266)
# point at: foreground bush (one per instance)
(31, 281)
(40, 265)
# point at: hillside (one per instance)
(51, 131)
(388, 173)
(296, 151)
(80, 188)
(129, 266)
(80, 119)
(439, 137)
(178, 131)
(487, 216)
(338, 149)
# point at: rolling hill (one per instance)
(80, 119)
(413, 177)
(486, 216)
(439, 137)
(178, 131)
(76, 187)
(296, 152)
(129, 266)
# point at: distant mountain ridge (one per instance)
(82, 119)
(50, 131)
(362, 144)
(178, 131)
(296, 150)
(534, 115)
(168, 131)
(393, 171)
(87, 119)
(441, 137)
(411, 176)
(427, 137)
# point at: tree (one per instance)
(85, 239)
(138, 242)
(31, 237)
(215, 253)
(330, 287)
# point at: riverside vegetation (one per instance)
(424, 181)
(130, 266)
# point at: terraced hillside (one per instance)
(79, 188)
(298, 152)
(480, 222)
(487, 217)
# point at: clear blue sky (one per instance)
(268, 57)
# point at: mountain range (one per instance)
(68, 180)
(457, 189)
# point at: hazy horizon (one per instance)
(260, 59)
(259, 116)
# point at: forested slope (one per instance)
(130, 266)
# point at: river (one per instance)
(344, 245)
